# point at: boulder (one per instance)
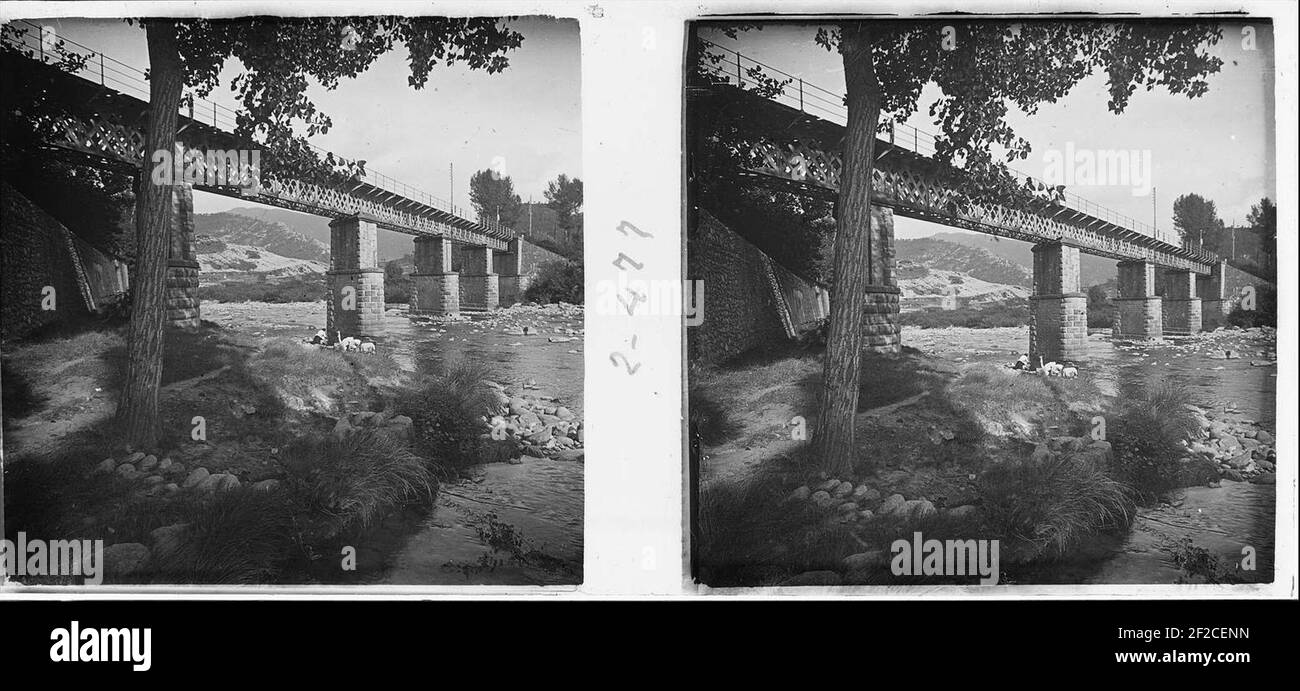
(823, 499)
(135, 457)
(342, 428)
(124, 558)
(842, 490)
(195, 478)
(865, 494)
(148, 463)
(917, 508)
(800, 494)
(829, 485)
(107, 465)
(1264, 438)
(891, 505)
(964, 511)
(167, 539)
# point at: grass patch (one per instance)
(348, 484)
(1042, 507)
(446, 406)
(1147, 434)
(239, 536)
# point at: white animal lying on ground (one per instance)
(1070, 372)
(348, 343)
(367, 347)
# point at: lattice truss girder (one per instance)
(102, 137)
(919, 196)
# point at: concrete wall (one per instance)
(740, 310)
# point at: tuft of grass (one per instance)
(446, 406)
(349, 483)
(1147, 435)
(1042, 508)
(239, 536)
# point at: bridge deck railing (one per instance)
(109, 72)
(741, 71)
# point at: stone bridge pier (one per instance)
(435, 288)
(1180, 306)
(881, 332)
(1140, 314)
(479, 285)
(509, 267)
(355, 305)
(1214, 303)
(182, 291)
(1058, 312)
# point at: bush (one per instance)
(445, 407)
(1147, 436)
(557, 280)
(1043, 507)
(1264, 314)
(349, 483)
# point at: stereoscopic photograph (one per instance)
(986, 301)
(292, 301)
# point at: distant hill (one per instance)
(1093, 270)
(266, 234)
(935, 273)
(222, 260)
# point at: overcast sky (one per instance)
(1219, 145)
(529, 115)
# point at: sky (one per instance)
(526, 120)
(1219, 145)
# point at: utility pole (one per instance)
(530, 215)
(451, 186)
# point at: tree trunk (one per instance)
(137, 413)
(833, 435)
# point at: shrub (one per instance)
(1042, 507)
(342, 484)
(1264, 314)
(557, 280)
(1147, 435)
(446, 406)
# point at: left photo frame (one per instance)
(292, 301)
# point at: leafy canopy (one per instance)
(280, 55)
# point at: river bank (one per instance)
(937, 424)
(240, 395)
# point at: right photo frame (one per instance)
(982, 301)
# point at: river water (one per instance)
(535, 505)
(1224, 521)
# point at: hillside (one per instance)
(273, 236)
(218, 259)
(1092, 270)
